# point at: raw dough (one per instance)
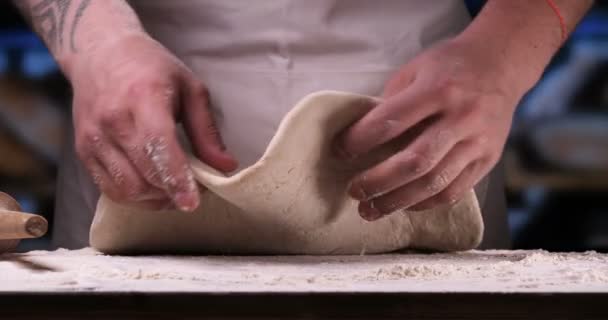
(292, 201)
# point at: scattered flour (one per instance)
(471, 271)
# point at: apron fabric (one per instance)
(258, 58)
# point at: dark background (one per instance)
(556, 160)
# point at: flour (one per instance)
(420, 272)
(533, 269)
(156, 150)
(471, 271)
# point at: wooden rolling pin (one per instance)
(16, 225)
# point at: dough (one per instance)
(292, 201)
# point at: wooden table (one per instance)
(477, 284)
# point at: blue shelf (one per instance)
(34, 59)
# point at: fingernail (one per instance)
(369, 212)
(186, 201)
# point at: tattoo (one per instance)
(79, 13)
(48, 18)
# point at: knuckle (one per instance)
(115, 173)
(439, 181)
(114, 118)
(95, 174)
(472, 113)
(92, 139)
(212, 129)
(443, 137)
(448, 91)
(376, 129)
(145, 86)
(86, 142)
(476, 104)
(415, 162)
(140, 87)
(387, 128)
(481, 141)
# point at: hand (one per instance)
(128, 95)
(455, 104)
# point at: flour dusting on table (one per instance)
(471, 271)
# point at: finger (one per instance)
(385, 122)
(401, 80)
(156, 152)
(202, 130)
(86, 141)
(416, 160)
(424, 187)
(107, 186)
(455, 191)
(149, 201)
(127, 183)
(105, 183)
(88, 145)
(98, 174)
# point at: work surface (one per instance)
(476, 284)
(473, 271)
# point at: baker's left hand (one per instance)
(455, 103)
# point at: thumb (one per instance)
(202, 131)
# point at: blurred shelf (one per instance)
(519, 178)
(31, 116)
(17, 160)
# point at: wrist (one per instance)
(96, 49)
(521, 35)
(514, 70)
(85, 26)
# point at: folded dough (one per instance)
(292, 201)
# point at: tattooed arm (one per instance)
(128, 92)
(70, 26)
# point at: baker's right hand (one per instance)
(128, 95)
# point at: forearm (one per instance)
(523, 34)
(74, 27)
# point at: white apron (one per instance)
(258, 58)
